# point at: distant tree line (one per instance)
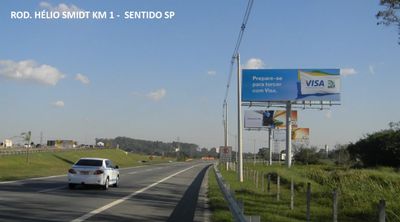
(172, 149)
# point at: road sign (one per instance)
(225, 154)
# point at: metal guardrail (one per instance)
(233, 205)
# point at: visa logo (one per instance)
(315, 83)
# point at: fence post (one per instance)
(335, 209)
(291, 194)
(269, 183)
(278, 184)
(308, 201)
(382, 213)
(254, 177)
(257, 180)
(262, 182)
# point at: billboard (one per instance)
(261, 85)
(299, 135)
(268, 118)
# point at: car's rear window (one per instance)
(85, 162)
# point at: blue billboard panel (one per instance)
(261, 85)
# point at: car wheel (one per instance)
(116, 182)
(71, 186)
(106, 184)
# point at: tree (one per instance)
(340, 155)
(378, 149)
(27, 138)
(307, 155)
(263, 153)
(390, 16)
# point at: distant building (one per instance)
(7, 143)
(208, 158)
(61, 143)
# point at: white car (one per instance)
(93, 171)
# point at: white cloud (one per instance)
(254, 63)
(82, 78)
(157, 94)
(371, 69)
(29, 70)
(347, 71)
(60, 7)
(328, 114)
(211, 72)
(59, 104)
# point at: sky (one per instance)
(165, 79)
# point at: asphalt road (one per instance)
(163, 192)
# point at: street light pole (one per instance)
(226, 123)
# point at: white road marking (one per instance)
(37, 178)
(6, 182)
(50, 177)
(148, 170)
(116, 202)
(128, 168)
(51, 189)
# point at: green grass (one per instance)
(218, 205)
(359, 193)
(16, 167)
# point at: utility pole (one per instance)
(239, 108)
(226, 123)
(226, 132)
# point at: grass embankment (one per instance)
(359, 193)
(218, 205)
(55, 163)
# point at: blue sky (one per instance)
(163, 79)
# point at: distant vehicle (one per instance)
(93, 171)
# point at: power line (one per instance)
(236, 49)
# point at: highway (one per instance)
(163, 192)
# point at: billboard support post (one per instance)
(270, 145)
(288, 134)
(239, 111)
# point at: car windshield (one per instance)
(86, 162)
